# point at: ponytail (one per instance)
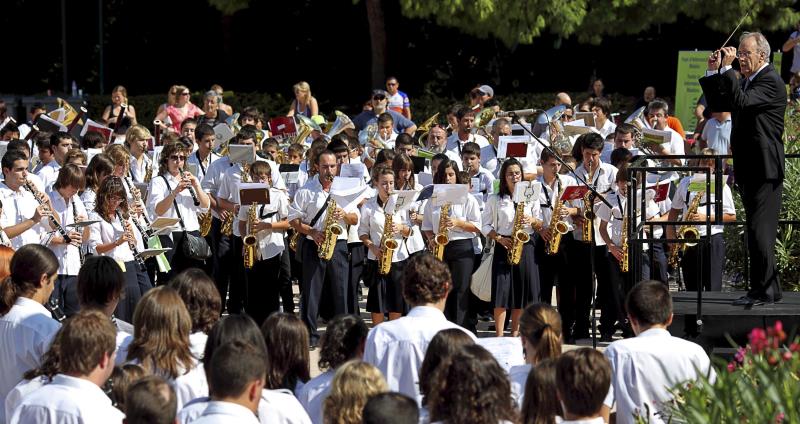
(8, 295)
(540, 325)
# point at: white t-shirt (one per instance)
(66, 400)
(680, 202)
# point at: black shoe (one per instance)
(751, 301)
(580, 334)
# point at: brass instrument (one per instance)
(293, 240)
(341, 123)
(625, 262)
(557, 227)
(424, 128)
(389, 245)
(519, 236)
(588, 210)
(481, 121)
(205, 223)
(304, 128)
(687, 231)
(442, 237)
(148, 173)
(250, 240)
(332, 231)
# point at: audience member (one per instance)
(150, 400)
(540, 331)
(353, 384)
(287, 352)
(201, 297)
(390, 408)
(540, 404)
(443, 345)
(582, 376)
(121, 379)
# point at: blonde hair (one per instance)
(118, 154)
(161, 333)
(136, 132)
(303, 87)
(122, 91)
(172, 95)
(540, 325)
(353, 384)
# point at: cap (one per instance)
(485, 89)
(380, 92)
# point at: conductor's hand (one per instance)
(728, 55)
(713, 61)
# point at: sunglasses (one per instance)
(184, 94)
(378, 97)
(391, 83)
(476, 94)
(177, 157)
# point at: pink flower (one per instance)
(740, 354)
(794, 347)
(779, 417)
(772, 359)
(731, 366)
(787, 356)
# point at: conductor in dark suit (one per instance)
(757, 102)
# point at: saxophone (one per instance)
(332, 231)
(624, 263)
(227, 224)
(148, 174)
(557, 227)
(687, 231)
(250, 240)
(588, 212)
(389, 245)
(442, 237)
(205, 223)
(519, 235)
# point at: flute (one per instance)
(53, 220)
(191, 190)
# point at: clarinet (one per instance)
(75, 217)
(55, 310)
(145, 232)
(131, 241)
(53, 221)
(191, 190)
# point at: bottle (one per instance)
(74, 89)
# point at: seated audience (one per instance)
(353, 384)
(390, 408)
(582, 376)
(150, 400)
(287, 352)
(202, 299)
(540, 404)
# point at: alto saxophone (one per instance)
(227, 224)
(250, 240)
(687, 231)
(588, 212)
(389, 245)
(624, 263)
(148, 174)
(442, 237)
(205, 223)
(557, 227)
(519, 235)
(332, 231)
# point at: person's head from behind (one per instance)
(540, 331)
(343, 340)
(540, 404)
(287, 350)
(201, 297)
(426, 281)
(620, 157)
(120, 381)
(229, 328)
(34, 269)
(150, 400)
(583, 377)
(649, 305)
(100, 284)
(88, 347)
(353, 384)
(99, 167)
(471, 387)
(444, 344)
(390, 408)
(237, 374)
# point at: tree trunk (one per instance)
(377, 32)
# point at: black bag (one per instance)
(301, 240)
(192, 246)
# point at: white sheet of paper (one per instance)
(348, 192)
(425, 179)
(147, 253)
(291, 177)
(449, 193)
(222, 133)
(352, 170)
(656, 136)
(91, 153)
(506, 350)
(401, 200)
(527, 191)
(242, 153)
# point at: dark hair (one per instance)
(203, 130)
(91, 139)
(296, 149)
(403, 162)
(100, 281)
(150, 400)
(56, 138)
(341, 341)
(10, 127)
(453, 109)
(440, 157)
(28, 265)
(658, 104)
(583, 377)
(385, 155)
(390, 408)
(99, 167)
(540, 404)
(234, 366)
(462, 177)
(121, 379)
(439, 177)
(625, 128)
(540, 325)
(229, 328)
(169, 150)
(505, 190)
(471, 148)
(404, 139)
(426, 280)
(603, 103)
(622, 173)
(75, 153)
(269, 142)
(18, 145)
(338, 146)
(85, 338)
(10, 157)
(649, 303)
(591, 141)
(545, 156)
(287, 351)
(385, 117)
(246, 133)
(471, 387)
(442, 346)
(381, 169)
(201, 297)
(188, 121)
(70, 175)
(324, 153)
(620, 156)
(464, 111)
(110, 186)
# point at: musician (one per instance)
(187, 133)
(602, 112)
(119, 97)
(696, 256)
(270, 229)
(385, 291)
(482, 180)
(203, 157)
(513, 286)
(136, 139)
(99, 167)
(576, 292)
(52, 156)
(466, 120)
(114, 236)
(213, 113)
(657, 114)
(22, 146)
(9, 132)
(70, 209)
(76, 156)
(553, 269)
(403, 169)
(310, 204)
(462, 226)
(22, 215)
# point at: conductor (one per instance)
(757, 102)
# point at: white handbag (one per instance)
(481, 284)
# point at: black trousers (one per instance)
(762, 205)
(137, 283)
(238, 287)
(576, 291)
(553, 269)
(263, 288)
(221, 262)
(460, 259)
(710, 272)
(65, 293)
(318, 273)
(660, 271)
(356, 260)
(285, 280)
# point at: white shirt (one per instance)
(645, 367)
(549, 195)
(104, 232)
(160, 191)
(197, 344)
(518, 376)
(67, 400)
(226, 412)
(24, 388)
(603, 182)
(398, 347)
(469, 211)
(596, 420)
(190, 385)
(502, 210)
(17, 207)
(614, 216)
(229, 188)
(718, 135)
(49, 173)
(270, 243)
(139, 170)
(313, 394)
(680, 202)
(372, 224)
(608, 128)
(89, 198)
(202, 167)
(212, 180)
(308, 201)
(276, 407)
(488, 152)
(69, 260)
(26, 331)
(482, 185)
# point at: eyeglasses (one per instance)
(378, 97)
(391, 83)
(177, 158)
(744, 53)
(184, 94)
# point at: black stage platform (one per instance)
(720, 317)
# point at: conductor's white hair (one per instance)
(761, 43)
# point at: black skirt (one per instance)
(514, 286)
(385, 291)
